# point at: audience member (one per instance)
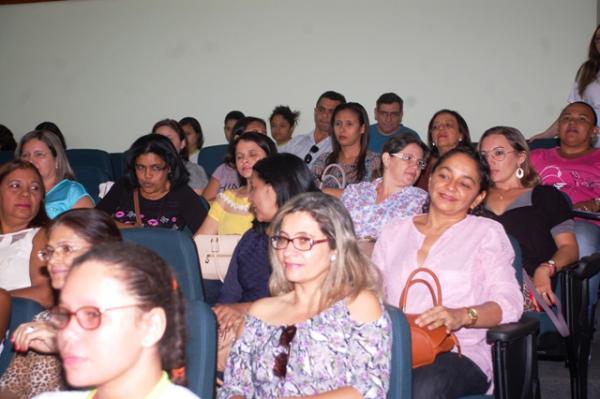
(586, 87)
(226, 177)
(389, 111)
(447, 129)
(350, 139)
(69, 235)
(283, 121)
(230, 212)
(128, 326)
(53, 128)
(478, 281)
(538, 217)
(274, 181)
(312, 145)
(194, 138)
(156, 184)
(172, 130)
(325, 310)
(7, 140)
(43, 149)
(231, 119)
(373, 204)
(22, 216)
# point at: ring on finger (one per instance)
(29, 330)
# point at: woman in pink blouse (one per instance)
(472, 258)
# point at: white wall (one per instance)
(105, 71)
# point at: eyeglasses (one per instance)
(301, 243)
(88, 317)
(153, 168)
(497, 154)
(63, 250)
(308, 158)
(410, 159)
(281, 360)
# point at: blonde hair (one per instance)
(350, 273)
(63, 168)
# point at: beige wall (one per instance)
(105, 71)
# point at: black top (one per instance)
(532, 219)
(179, 208)
(248, 274)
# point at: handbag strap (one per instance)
(136, 208)
(556, 317)
(325, 175)
(437, 300)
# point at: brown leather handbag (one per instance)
(426, 344)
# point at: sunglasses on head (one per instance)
(308, 158)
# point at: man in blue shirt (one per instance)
(388, 114)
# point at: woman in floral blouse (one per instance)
(324, 330)
(373, 204)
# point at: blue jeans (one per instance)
(588, 240)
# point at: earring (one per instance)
(520, 173)
(333, 258)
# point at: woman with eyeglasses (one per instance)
(349, 142)
(324, 330)
(45, 150)
(472, 258)
(36, 368)
(120, 326)
(22, 219)
(154, 192)
(373, 204)
(537, 216)
(447, 130)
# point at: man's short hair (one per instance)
(390, 98)
(333, 96)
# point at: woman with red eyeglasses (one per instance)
(324, 330)
(36, 368)
(120, 324)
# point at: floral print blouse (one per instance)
(372, 162)
(328, 351)
(369, 217)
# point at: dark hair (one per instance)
(175, 126)
(518, 143)
(238, 129)
(588, 106)
(195, 125)
(483, 171)
(93, 225)
(463, 128)
(52, 141)
(235, 115)
(390, 98)
(7, 140)
(363, 119)
(288, 175)
(286, 113)
(41, 219)
(162, 147)
(53, 128)
(333, 96)
(261, 140)
(149, 279)
(588, 71)
(399, 142)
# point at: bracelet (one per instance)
(552, 265)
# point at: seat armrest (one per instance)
(510, 332)
(588, 266)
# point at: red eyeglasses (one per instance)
(281, 360)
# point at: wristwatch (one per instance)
(473, 316)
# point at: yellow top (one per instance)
(162, 384)
(232, 213)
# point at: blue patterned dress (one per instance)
(329, 351)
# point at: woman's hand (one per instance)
(37, 335)
(541, 280)
(438, 316)
(587, 206)
(228, 316)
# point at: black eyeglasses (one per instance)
(301, 243)
(281, 360)
(308, 158)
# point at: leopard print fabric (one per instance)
(32, 373)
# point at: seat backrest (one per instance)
(211, 157)
(543, 143)
(6, 156)
(91, 158)
(22, 310)
(401, 368)
(117, 161)
(178, 250)
(91, 177)
(518, 262)
(201, 349)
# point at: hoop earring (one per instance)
(520, 173)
